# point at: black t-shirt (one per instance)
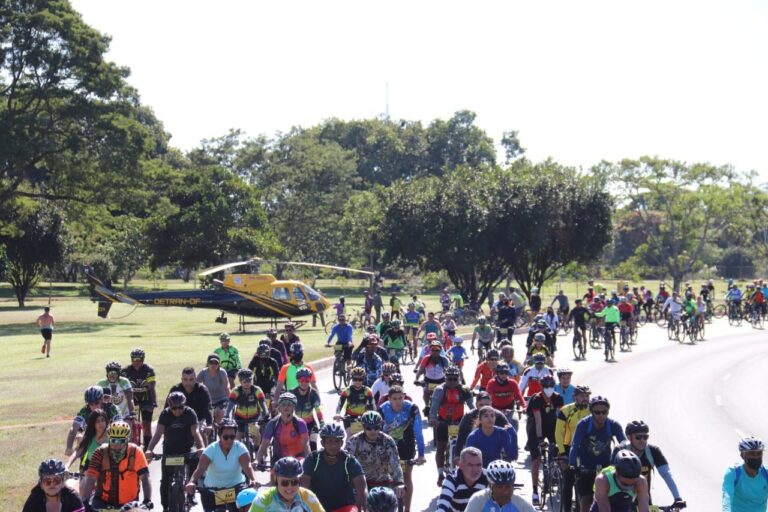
(578, 313)
(178, 438)
(199, 400)
(140, 380)
(332, 483)
(658, 458)
(265, 371)
(70, 501)
(548, 411)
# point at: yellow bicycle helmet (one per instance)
(119, 430)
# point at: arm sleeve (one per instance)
(417, 430)
(478, 373)
(333, 333)
(342, 399)
(437, 398)
(510, 442)
(666, 474)
(560, 432)
(518, 395)
(206, 400)
(728, 489)
(461, 438)
(575, 443)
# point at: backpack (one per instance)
(626, 445)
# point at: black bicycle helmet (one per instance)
(288, 467)
(51, 467)
(138, 353)
(227, 423)
(547, 381)
(453, 371)
(627, 464)
(636, 427)
(598, 400)
(539, 359)
(371, 419)
(297, 350)
(303, 373)
(396, 378)
(245, 374)
(381, 499)
(177, 398)
(263, 350)
(114, 366)
(492, 354)
(502, 368)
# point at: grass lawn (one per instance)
(40, 396)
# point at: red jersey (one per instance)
(482, 375)
(503, 396)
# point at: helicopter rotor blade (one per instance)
(320, 265)
(219, 268)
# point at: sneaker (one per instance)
(440, 479)
(535, 499)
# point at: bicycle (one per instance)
(596, 335)
(563, 324)
(579, 350)
(692, 328)
(718, 311)
(552, 477)
(340, 371)
(224, 498)
(178, 499)
(675, 507)
(755, 316)
(673, 328)
(453, 435)
(734, 314)
(610, 344)
(624, 337)
(250, 436)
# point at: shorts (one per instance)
(626, 317)
(346, 350)
(405, 450)
(533, 445)
(47, 334)
(441, 431)
(585, 482)
(232, 373)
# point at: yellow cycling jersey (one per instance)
(567, 418)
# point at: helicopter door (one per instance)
(301, 299)
(281, 294)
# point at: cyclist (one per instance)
(370, 361)
(504, 392)
(562, 304)
(568, 418)
(433, 368)
(308, 406)
(457, 354)
(626, 312)
(483, 333)
(675, 306)
(542, 415)
(518, 300)
(505, 321)
(733, 298)
(402, 422)
(217, 382)
(534, 302)
(384, 325)
(343, 332)
(412, 320)
(499, 496)
(142, 379)
(120, 388)
(95, 435)
(486, 370)
(459, 486)
(50, 493)
(380, 388)
(445, 300)
(93, 401)
(116, 470)
(591, 446)
(377, 453)
(286, 379)
(538, 347)
(447, 408)
(273, 353)
(278, 345)
(395, 340)
(579, 315)
(333, 475)
(225, 464)
(471, 420)
(491, 440)
(265, 371)
(650, 457)
(552, 320)
(745, 486)
(395, 380)
(289, 336)
(287, 494)
(287, 432)
(430, 326)
(177, 425)
(612, 318)
(515, 367)
(197, 395)
(458, 305)
(395, 306)
(229, 357)
(354, 400)
(690, 309)
(620, 487)
(530, 383)
(248, 403)
(564, 388)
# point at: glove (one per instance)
(148, 504)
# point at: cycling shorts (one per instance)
(441, 431)
(585, 482)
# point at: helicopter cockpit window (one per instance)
(313, 295)
(298, 294)
(281, 294)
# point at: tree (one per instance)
(72, 129)
(512, 147)
(695, 203)
(37, 245)
(556, 218)
(458, 142)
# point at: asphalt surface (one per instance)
(698, 400)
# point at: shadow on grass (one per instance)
(69, 328)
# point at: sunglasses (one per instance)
(52, 480)
(358, 380)
(602, 412)
(372, 429)
(227, 437)
(642, 436)
(137, 359)
(177, 408)
(304, 381)
(112, 374)
(118, 441)
(289, 483)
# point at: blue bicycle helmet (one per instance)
(288, 467)
(245, 497)
(93, 394)
(332, 430)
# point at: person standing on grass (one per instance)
(45, 322)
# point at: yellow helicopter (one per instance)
(247, 294)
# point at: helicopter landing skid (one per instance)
(272, 322)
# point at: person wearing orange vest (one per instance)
(447, 408)
(115, 471)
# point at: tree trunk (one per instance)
(677, 279)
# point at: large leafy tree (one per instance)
(37, 245)
(458, 142)
(72, 129)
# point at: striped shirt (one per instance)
(456, 493)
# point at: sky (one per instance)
(581, 81)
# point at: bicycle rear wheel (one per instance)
(642, 318)
(338, 373)
(719, 311)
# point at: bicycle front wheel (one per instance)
(338, 373)
(719, 311)
(176, 497)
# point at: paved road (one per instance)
(698, 400)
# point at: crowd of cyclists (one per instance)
(221, 426)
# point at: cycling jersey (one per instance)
(566, 393)
(229, 358)
(530, 384)
(198, 399)
(484, 333)
(533, 350)
(742, 492)
(380, 388)
(567, 418)
(491, 445)
(355, 401)
(412, 318)
(431, 327)
(287, 375)
(288, 438)
(504, 394)
(675, 307)
(269, 500)
(372, 366)
(217, 385)
(483, 374)
(380, 459)
(118, 392)
(81, 418)
(626, 308)
(140, 379)
(482, 502)
(611, 314)
(548, 409)
(306, 404)
(117, 484)
(591, 447)
(404, 426)
(621, 500)
(457, 355)
(343, 333)
(394, 339)
(265, 372)
(248, 405)
(552, 322)
(562, 302)
(448, 403)
(434, 370)
(579, 315)
(689, 306)
(734, 294)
